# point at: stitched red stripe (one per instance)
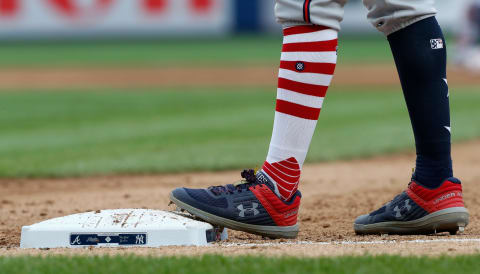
(306, 11)
(302, 29)
(285, 169)
(286, 174)
(297, 110)
(330, 45)
(307, 89)
(287, 182)
(290, 163)
(285, 189)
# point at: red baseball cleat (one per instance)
(419, 210)
(249, 205)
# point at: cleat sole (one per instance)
(449, 220)
(289, 232)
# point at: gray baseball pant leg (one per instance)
(387, 16)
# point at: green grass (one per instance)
(232, 265)
(86, 133)
(242, 50)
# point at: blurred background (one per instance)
(92, 87)
(57, 19)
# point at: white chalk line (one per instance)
(460, 240)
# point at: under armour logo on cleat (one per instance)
(249, 211)
(401, 211)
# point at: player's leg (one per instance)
(267, 202)
(306, 68)
(433, 200)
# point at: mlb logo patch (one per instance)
(436, 43)
(300, 66)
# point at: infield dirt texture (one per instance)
(333, 195)
(334, 192)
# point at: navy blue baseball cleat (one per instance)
(419, 210)
(250, 205)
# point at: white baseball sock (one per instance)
(306, 69)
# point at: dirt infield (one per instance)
(333, 195)
(65, 78)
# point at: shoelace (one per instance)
(249, 179)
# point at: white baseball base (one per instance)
(120, 228)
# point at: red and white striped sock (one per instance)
(306, 69)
